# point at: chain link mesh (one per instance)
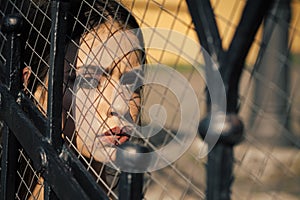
(267, 162)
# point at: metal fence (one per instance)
(105, 99)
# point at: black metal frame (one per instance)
(39, 136)
(12, 26)
(65, 176)
(230, 63)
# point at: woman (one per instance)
(103, 74)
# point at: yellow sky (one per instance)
(173, 14)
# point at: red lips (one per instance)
(117, 135)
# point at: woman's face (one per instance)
(104, 97)
(105, 102)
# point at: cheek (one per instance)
(134, 106)
(41, 96)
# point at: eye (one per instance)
(128, 78)
(88, 83)
(88, 77)
(133, 78)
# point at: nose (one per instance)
(114, 102)
(111, 113)
(118, 107)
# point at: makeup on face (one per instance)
(101, 100)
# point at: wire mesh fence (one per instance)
(134, 71)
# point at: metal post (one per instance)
(131, 186)
(272, 66)
(129, 157)
(55, 82)
(234, 59)
(206, 27)
(12, 25)
(230, 63)
(220, 158)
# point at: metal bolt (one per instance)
(130, 157)
(12, 23)
(42, 161)
(227, 128)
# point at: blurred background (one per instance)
(267, 162)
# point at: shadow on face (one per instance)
(106, 100)
(102, 82)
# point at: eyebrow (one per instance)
(112, 49)
(135, 72)
(91, 69)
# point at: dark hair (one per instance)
(83, 16)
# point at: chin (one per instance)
(104, 155)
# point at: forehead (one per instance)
(103, 46)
